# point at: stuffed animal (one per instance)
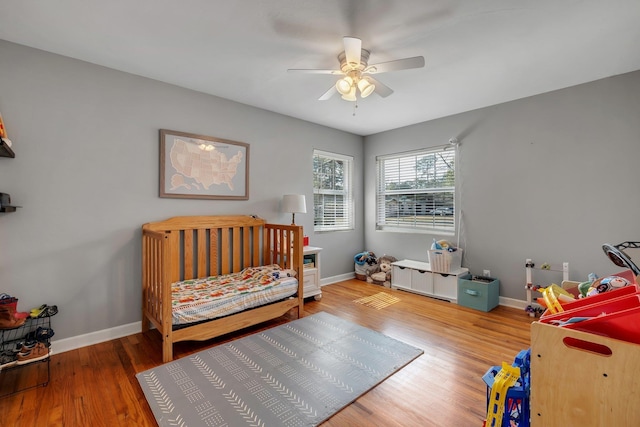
(284, 273)
(383, 275)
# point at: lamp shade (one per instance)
(294, 203)
(351, 96)
(344, 85)
(366, 88)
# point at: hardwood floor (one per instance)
(96, 385)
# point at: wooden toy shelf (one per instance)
(582, 379)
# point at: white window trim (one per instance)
(348, 192)
(381, 225)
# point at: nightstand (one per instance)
(311, 285)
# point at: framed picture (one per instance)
(203, 167)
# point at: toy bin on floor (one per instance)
(478, 293)
(443, 261)
(618, 318)
(632, 288)
(582, 379)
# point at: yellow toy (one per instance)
(553, 297)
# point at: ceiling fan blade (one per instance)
(381, 89)
(328, 94)
(312, 71)
(398, 64)
(352, 51)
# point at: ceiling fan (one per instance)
(357, 73)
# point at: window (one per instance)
(332, 191)
(416, 191)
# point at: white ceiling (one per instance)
(477, 52)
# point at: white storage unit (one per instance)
(311, 285)
(417, 276)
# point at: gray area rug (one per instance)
(296, 374)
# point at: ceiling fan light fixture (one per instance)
(344, 85)
(351, 95)
(366, 88)
(355, 71)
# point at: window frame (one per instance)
(348, 205)
(440, 187)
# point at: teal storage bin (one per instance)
(479, 295)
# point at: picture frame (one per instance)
(203, 167)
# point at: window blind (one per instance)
(416, 190)
(332, 191)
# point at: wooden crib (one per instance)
(191, 247)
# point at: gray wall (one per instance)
(86, 173)
(551, 178)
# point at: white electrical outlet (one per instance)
(486, 273)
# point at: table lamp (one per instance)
(294, 203)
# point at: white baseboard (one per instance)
(512, 302)
(336, 279)
(508, 302)
(66, 344)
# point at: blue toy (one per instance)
(363, 258)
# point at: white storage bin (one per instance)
(443, 261)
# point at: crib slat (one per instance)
(236, 248)
(157, 278)
(224, 254)
(246, 245)
(255, 244)
(266, 245)
(286, 261)
(213, 251)
(283, 247)
(174, 263)
(202, 253)
(187, 251)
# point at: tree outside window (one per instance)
(332, 191)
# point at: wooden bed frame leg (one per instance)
(146, 325)
(301, 309)
(167, 349)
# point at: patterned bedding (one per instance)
(204, 299)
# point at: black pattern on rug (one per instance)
(296, 374)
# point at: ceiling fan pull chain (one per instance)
(355, 105)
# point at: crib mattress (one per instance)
(212, 297)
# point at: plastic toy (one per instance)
(553, 296)
(365, 258)
(606, 284)
(619, 257)
(508, 390)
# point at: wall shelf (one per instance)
(8, 209)
(5, 150)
